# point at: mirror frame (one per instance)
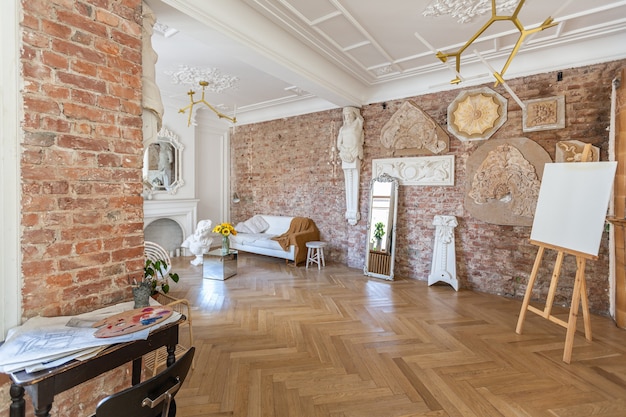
(165, 136)
(391, 229)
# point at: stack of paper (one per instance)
(47, 342)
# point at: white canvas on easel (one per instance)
(572, 205)
(571, 210)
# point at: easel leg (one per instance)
(553, 284)
(573, 312)
(529, 291)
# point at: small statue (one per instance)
(199, 243)
(350, 145)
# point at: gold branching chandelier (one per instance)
(204, 85)
(513, 18)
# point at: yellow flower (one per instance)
(225, 229)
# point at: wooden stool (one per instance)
(315, 253)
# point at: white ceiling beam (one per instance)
(273, 50)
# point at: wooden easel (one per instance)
(579, 294)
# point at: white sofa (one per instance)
(263, 244)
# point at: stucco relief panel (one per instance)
(425, 170)
(411, 131)
(504, 181)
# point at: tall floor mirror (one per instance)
(381, 226)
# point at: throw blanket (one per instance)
(301, 230)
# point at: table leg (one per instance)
(17, 408)
(136, 372)
(43, 412)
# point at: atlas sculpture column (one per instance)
(350, 145)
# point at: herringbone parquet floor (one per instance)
(276, 340)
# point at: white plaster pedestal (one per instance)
(351, 172)
(444, 255)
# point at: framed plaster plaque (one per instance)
(544, 114)
(424, 170)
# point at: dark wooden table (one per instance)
(44, 385)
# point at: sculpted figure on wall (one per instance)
(411, 131)
(350, 145)
(199, 242)
(151, 95)
(506, 176)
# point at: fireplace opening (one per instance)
(166, 232)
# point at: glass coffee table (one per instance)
(219, 265)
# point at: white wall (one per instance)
(10, 134)
(213, 167)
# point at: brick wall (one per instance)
(282, 167)
(82, 213)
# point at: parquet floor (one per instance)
(276, 340)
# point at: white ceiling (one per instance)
(298, 56)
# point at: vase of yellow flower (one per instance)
(225, 229)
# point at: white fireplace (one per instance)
(181, 213)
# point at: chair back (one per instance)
(152, 398)
(156, 252)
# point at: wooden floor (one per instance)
(276, 340)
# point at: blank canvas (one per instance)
(572, 205)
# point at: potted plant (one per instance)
(155, 279)
(379, 232)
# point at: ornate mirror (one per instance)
(161, 164)
(381, 226)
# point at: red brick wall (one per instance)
(82, 212)
(282, 167)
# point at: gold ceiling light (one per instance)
(524, 33)
(204, 85)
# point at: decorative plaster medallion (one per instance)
(465, 10)
(424, 170)
(218, 82)
(411, 131)
(544, 114)
(476, 114)
(504, 177)
(572, 151)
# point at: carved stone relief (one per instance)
(504, 177)
(476, 114)
(572, 151)
(411, 131)
(544, 114)
(424, 170)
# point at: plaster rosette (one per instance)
(476, 114)
(503, 181)
(411, 131)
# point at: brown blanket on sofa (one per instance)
(301, 230)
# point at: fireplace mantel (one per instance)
(183, 212)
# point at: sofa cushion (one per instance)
(278, 224)
(255, 224)
(249, 241)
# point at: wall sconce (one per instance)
(192, 103)
(236, 198)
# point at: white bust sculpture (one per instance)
(199, 242)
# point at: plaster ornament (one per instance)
(420, 170)
(411, 131)
(350, 146)
(572, 151)
(476, 114)
(543, 114)
(443, 267)
(505, 178)
(465, 10)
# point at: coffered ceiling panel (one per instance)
(331, 53)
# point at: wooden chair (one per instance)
(152, 398)
(158, 358)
